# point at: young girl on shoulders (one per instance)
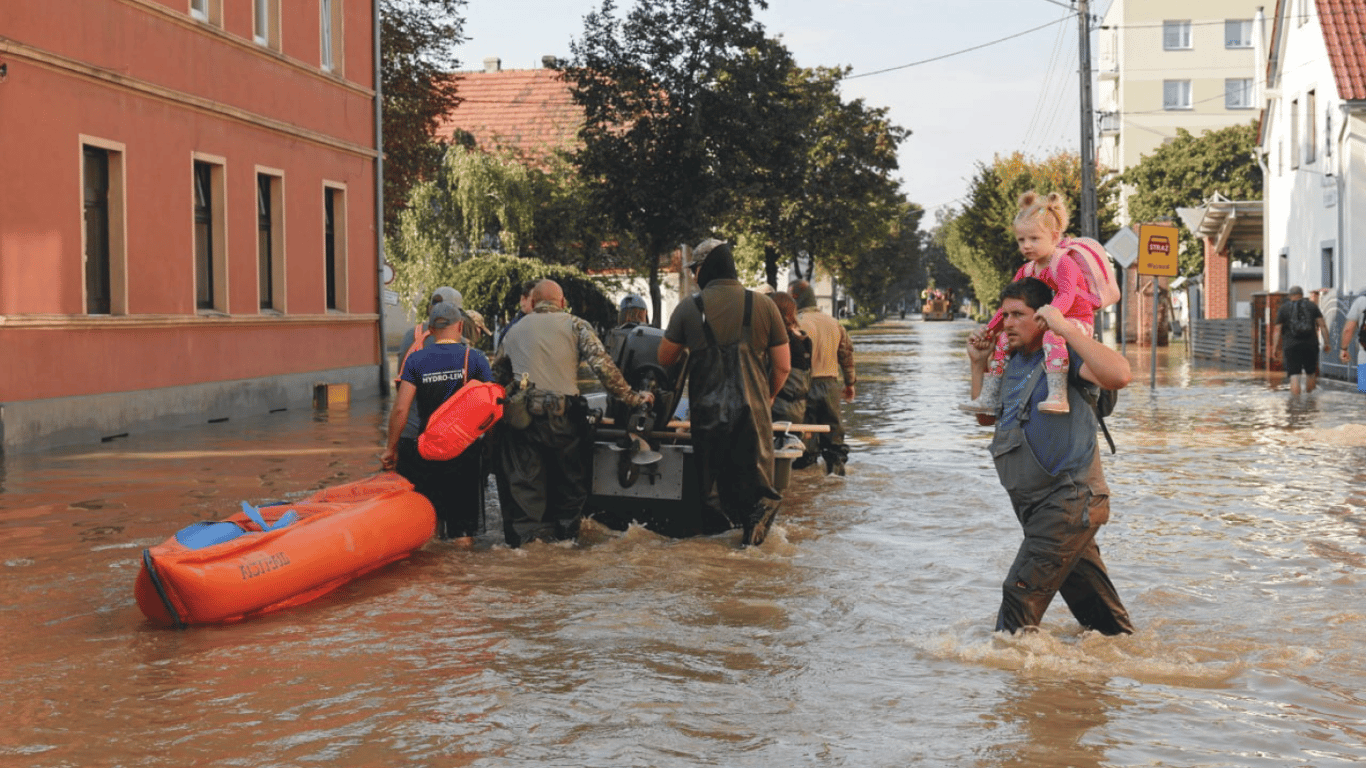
(1038, 231)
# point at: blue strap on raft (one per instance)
(206, 534)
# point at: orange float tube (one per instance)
(340, 533)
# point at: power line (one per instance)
(957, 53)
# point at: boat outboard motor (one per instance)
(635, 350)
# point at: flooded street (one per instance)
(858, 635)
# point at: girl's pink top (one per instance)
(1070, 293)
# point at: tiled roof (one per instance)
(1344, 32)
(530, 111)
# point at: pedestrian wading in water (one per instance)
(1049, 463)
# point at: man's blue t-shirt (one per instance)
(1052, 436)
(438, 371)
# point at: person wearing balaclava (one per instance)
(832, 357)
(738, 360)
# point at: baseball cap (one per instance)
(699, 254)
(448, 295)
(476, 319)
(443, 314)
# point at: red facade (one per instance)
(187, 219)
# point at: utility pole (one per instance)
(1089, 227)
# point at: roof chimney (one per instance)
(493, 64)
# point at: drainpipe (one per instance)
(379, 203)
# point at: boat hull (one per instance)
(341, 533)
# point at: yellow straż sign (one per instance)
(1158, 248)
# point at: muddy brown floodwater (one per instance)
(858, 635)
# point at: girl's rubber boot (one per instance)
(1056, 402)
(988, 400)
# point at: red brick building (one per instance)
(187, 223)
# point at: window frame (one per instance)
(270, 221)
(1177, 106)
(331, 33)
(207, 11)
(1244, 35)
(114, 254)
(1182, 27)
(1311, 129)
(1294, 134)
(1245, 87)
(336, 256)
(214, 242)
(266, 12)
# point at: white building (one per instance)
(1168, 64)
(1313, 148)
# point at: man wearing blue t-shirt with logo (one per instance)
(429, 377)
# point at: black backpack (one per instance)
(1301, 321)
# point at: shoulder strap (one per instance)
(1085, 388)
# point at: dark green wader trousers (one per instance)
(1060, 515)
(543, 474)
(732, 434)
(823, 407)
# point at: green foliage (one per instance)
(980, 239)
(655, 136)
(491, 285)
(477, 201)
(1188, 170)
(418, 40)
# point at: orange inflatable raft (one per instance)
(277, 557)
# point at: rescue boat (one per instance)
(280, 556)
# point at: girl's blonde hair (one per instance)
(1050, 210)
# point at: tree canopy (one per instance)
(418, 41)
(655, 129)
(980, 239)
(1187, 171)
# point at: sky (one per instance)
(962, 109)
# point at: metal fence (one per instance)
(1231, 341)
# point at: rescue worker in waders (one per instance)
(1049, 464)
(542, 443)
(737, 362)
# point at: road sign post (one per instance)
(1158, 249)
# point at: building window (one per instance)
(1294, 134)
(97, 282)
(1238, 33)
(208, 10)
(334, 247)
(210, 268)
(1176, 35)
(1176, 94)
(266, 23)
(1311, 130)
(270, 240)
(103, 244)
(1326, 262)
(1238, 93)
(330, 19)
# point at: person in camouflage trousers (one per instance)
(543, 462)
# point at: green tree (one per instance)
(418, 40)
(980, 239)
(1188, 170)
(491, 285)
(653, 141)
